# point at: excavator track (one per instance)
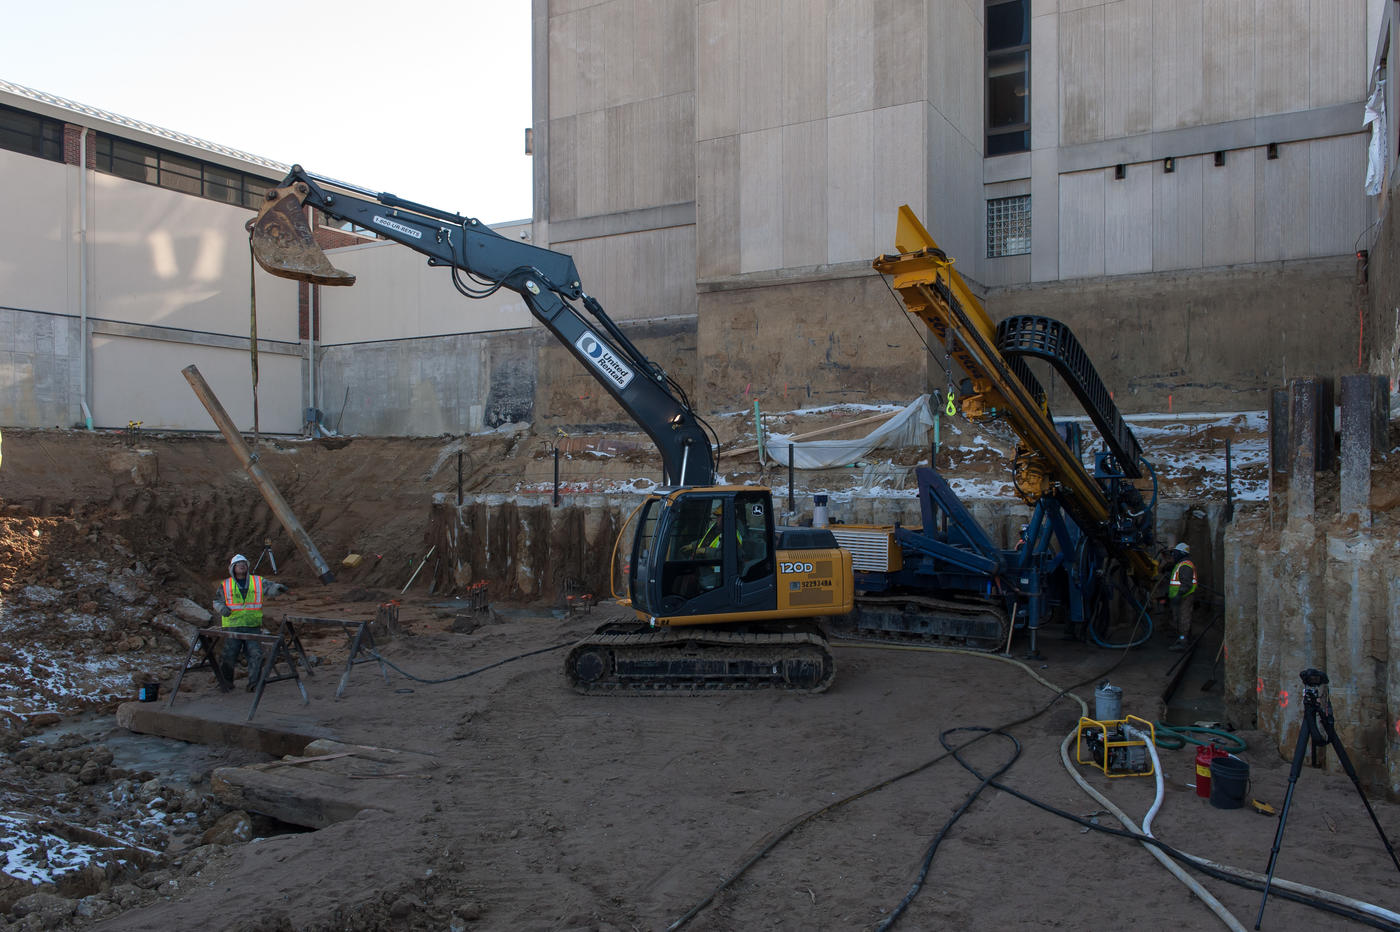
(916, 619)
(643, 661)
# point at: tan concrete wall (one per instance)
(804, 344)
(1218, 339)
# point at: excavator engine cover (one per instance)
(282, 242)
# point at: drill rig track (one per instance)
(926, 621)
(638, 660)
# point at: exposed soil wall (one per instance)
(1213, 340)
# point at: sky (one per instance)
(426, 100)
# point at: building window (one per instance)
(1008, 76)
(31, 134)
(150, 165)
(1008, 226)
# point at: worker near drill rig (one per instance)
(1180, 590)
(240, 604)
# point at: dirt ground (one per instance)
(536, 808)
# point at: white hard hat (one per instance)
(1183, 547)
(237, 558)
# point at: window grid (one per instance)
(31, 134)
(1008, 226)
(153, 166)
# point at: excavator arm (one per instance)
(548, 282)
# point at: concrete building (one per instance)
(124, 259)
(1181, 182)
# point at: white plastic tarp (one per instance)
(908, 428)
(1376, 153)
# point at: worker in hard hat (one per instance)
(1180, 590)
(239, 605)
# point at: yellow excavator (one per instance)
(724, 597)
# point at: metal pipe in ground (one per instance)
(249, 459)
(792, 504)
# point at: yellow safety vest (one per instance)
(1173, 589)
(247, 609)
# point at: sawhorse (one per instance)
(276, 649)
(358, 637)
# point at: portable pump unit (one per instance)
(1118, 748)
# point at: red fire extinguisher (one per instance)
(1204, 755)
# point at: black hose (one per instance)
(943, 832)
(802, 820)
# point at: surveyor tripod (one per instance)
(266, 552)
(1317, 730)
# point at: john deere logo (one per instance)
(601, 358)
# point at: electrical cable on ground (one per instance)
(943, 832)
(461, 676)
(797, 823)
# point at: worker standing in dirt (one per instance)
(1180, 590)
(240, 605)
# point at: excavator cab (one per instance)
(704, 552)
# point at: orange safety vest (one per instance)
(247, 609)
(1174, 588)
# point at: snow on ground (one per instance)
(1187, 453)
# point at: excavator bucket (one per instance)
(282, 242)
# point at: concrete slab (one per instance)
(199, 723)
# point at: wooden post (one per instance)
(249, 459)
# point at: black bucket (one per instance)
(148, 692)
(1229, 781)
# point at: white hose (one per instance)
(1191, 883)
(1338, 899)
(1156, 770)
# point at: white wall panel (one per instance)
(1227, 60)
(38, 241)
(1128, 220)
(161, 257)
(803, 188)
(1045, 82)
(1176, 64)
(1281, 58)
(1081, 76)
(717, 98)
(1281, 202)
(850, 186)
(1177, 215)
(1081, 224)
(1228, 210)
(140, 380)
(761, 200)
(851, 57)
(1128, 69)
(1337, 205)
(1339, 62)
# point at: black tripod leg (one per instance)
(1305, 733)
(1329, 723)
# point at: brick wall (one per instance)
(72, 146)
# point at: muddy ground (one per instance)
(541, 809)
